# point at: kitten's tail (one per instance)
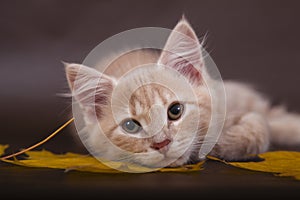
(285, 127)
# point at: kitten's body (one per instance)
(251, 124)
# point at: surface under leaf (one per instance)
(79, 162)
(281, 163)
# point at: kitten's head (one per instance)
(153, 114)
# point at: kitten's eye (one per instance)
(131, 126)
(175, 111)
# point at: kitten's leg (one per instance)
(249, 135)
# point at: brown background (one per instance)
(251, 41)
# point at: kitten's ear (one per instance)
(183, 52)
(90, 88)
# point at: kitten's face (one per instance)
(152, 121)
(153, 114)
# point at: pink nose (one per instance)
(159, 145)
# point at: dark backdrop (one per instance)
(253, 41)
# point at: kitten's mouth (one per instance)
(162, 146)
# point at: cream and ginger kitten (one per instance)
(250, 126)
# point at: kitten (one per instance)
(250, 126)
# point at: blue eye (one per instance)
(131, 126)
(175, 111)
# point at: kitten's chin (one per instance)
(179, 157)
(160, 161)
(181, 161)
(153, 160)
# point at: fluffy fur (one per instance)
(251, 124)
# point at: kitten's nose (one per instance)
(159, 145)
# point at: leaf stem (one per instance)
(41, 142)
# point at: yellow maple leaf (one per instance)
(281, 163)
(87, 163)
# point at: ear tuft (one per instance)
(184, 27)
(71, 73)
(183, 52)
(89, 87)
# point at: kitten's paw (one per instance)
(249, 136)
